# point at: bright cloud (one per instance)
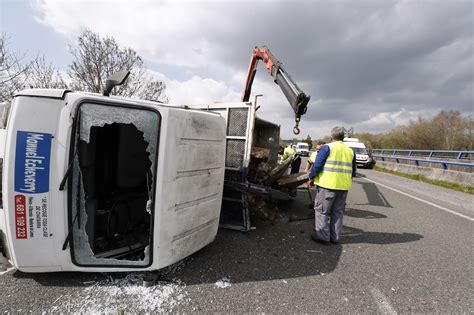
(197, 90)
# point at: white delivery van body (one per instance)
(363, 158)
(96, 183)
(302, 148)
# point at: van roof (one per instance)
(351, 140)
(355, 144)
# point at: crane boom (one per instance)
(295, 96)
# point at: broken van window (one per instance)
(113, 177)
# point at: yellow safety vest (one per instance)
(337, 171)
(312, 158)
(289, 151)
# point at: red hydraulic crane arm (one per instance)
(295, 96)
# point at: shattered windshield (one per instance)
(113, 180)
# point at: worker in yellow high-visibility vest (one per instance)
(289, 152)
(312, 157)
(332, 174)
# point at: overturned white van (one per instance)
(96, 183)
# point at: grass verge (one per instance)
(423, 178)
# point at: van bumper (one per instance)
(366, 164)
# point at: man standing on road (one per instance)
(332, 174)
(312, 157)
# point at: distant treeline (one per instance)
(448, 130)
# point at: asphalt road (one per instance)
(407, 247)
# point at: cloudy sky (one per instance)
(370, 65)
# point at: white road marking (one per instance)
(422, 200)
(382, 302)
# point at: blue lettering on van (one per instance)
(33, 152)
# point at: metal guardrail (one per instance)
(427, 156)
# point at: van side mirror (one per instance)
(118, 78)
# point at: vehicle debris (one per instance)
(126, 294)
(292, 180)
(223, 283)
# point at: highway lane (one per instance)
(399, 254)
(457, 203)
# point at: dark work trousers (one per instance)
(295, 165)
(329, 207)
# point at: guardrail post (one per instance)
(417, 163)
(445, 166)
(459, 156)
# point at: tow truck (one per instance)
(100, 183)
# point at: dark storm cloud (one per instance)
(360, 58)
(367, 63)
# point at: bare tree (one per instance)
(451, 126)
(42, 74)
(309, 141)
(12, 71)
(468, 133)
(96, 58)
